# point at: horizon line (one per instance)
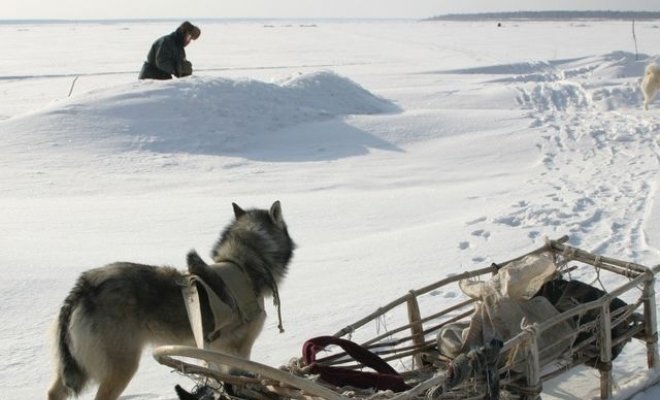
(191, 18)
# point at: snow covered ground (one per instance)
(401, 151)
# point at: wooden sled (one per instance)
(410, 344)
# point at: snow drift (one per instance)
(193, 115)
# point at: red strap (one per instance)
(386, 377)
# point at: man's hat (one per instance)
(187, 27)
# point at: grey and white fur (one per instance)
(114, 311)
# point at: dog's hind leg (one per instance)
(649, 99)
(119, 370)
(57, 390)
(111, 387)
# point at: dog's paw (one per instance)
(182, 394)
(200, 392)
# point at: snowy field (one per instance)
(401, 151)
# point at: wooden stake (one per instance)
(416, 329)
(605, 365)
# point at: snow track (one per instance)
(600, 163)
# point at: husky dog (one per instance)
(650, 83)
(113, 312)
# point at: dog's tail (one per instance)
(73, 376)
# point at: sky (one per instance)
(96, 9)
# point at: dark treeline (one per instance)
(550, 15)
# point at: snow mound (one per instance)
(192, 115)
(558, 96)
(619, 64)
(528, 67)
(602, 82)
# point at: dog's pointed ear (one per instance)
(276, 214)
(195, 262)
(238, 211)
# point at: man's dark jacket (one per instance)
(166, 58)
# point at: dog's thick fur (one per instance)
(650, 83)
(113, 312)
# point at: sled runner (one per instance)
(495, 332)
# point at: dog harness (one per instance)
(239, 287)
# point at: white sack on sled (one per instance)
(505, 303)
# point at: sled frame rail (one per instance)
(419, 344)
(411, 345)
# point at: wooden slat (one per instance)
(605, 335)
(221, 359)
(382, 310)
(650, 321)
